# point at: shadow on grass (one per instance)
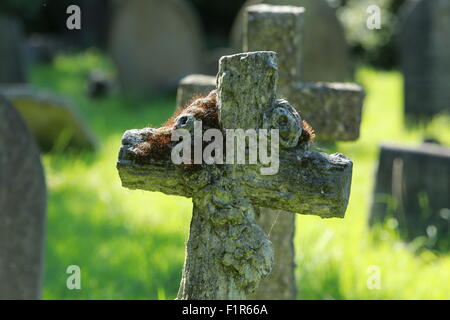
(117, 260)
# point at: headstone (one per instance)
(22, 208)
(194, 85)
(154, 43)
(52, 120)
(325, 55)
(12, 51)
(332, 109)
(413, 186)
(227, 253)
(424, 46)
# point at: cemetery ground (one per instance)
(130, 244)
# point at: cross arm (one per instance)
(307, 183)
(153, 175)
(332, 109)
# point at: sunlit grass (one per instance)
(130, 244)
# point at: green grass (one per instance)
(130, 244)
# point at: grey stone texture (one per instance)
(334, 110)
(194, 85)
(23, 201)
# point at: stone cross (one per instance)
(227, 253)
(332, 109)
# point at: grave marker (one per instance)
(413, 186)
(52, 120)
(227, 253)
(22, 208)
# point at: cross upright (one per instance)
(227, 253)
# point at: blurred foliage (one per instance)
(130, 244)
(374, 47)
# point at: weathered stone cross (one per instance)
(227, 253)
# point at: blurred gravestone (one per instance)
(22, 208)
(413, 186)
(227, 254)
(194, 85)
(333, 109)
(12, 51)
(154, 43)
(325, 52)
(424, 44)
(51, 119)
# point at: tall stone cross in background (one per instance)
(227, 253)
(332, 109)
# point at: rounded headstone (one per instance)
(325, 54)
(22, 208)
(154, 43)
